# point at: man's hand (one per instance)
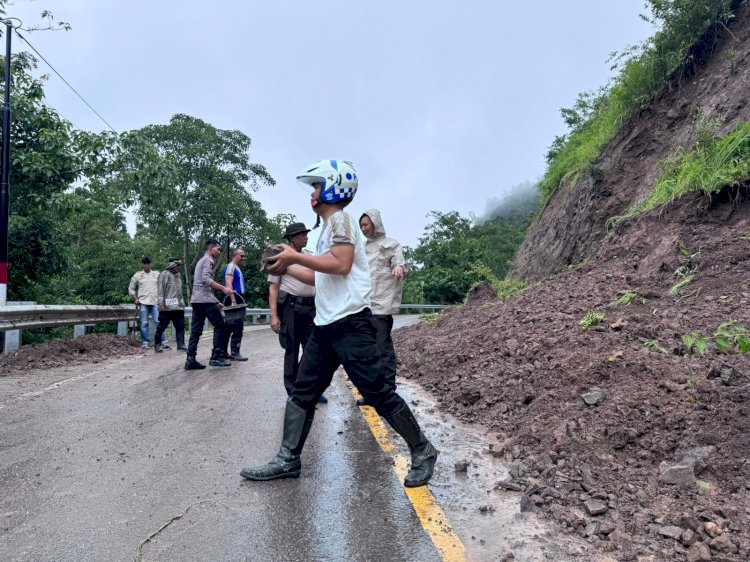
(137, 300)
(160, 307)
(275, 323)
(277, 264)
(399, 273)
(227, 291)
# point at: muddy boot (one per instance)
(180, 339)
(423, 453)
(158, 348)
(191, 364)
(286, 463)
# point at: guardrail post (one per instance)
(79, 330)
(122, 328)
(12, 341)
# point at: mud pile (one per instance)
(617, 432)
(92, 348)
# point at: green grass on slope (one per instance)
(710, 167)
(684, 23)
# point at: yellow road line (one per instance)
(425, 505)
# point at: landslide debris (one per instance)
(617, 433)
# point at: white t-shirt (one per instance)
(337, 296)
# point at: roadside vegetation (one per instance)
(687, 32)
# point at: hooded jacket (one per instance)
(383, 254)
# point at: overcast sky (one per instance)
(440, 104)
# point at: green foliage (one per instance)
(732, 335)
(686, 26)
(654, 344)
(504, 288)
(694, 341)
(592, 319)
(709, 167)
(675, 289)
(626, 299)
(431, 317)
(442, 262)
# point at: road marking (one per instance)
(425, 505)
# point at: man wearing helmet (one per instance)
(344, 333)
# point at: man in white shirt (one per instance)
(143, 291)
(344, 333)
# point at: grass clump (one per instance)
(654, 344)
(504, 288)
(732, 335)
(710, 167)
(695, 341)
(686, 27)
(626, 299)
(592, 319)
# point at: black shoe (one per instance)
(158, 348)
(220, 362)
(322, 400)
(287, 462)
(361, 402)
(423, 453)
(181, 348)
(237, 357)
(193, 365)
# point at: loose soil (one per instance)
(88, 349)
(659, 467)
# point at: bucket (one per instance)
(234, 314)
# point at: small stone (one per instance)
(712, 529)
(699, 552)
(591, 529)
(595, 507)
(593, 397)
(677, 474)
(511, 485)
(486, 509)
(723, 543)
(688, 537)
(606, 527)
(527, 504)
(461, 466)
(620, 538)
(671, 532)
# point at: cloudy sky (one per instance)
(440, 104)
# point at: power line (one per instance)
(64, 80)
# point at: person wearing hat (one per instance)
(171, 304)
(143, 291)
(292, 305)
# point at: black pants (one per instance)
(201, 311)
(383, 326)
(234, 335)
(349, 342)
(177, 317)
(297, 321)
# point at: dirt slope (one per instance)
(656, 465)
(520, 369)
(572, 227)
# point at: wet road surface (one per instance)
(94, 461)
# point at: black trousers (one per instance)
(177, 317)
(383, 326)
(297, 321)
(201, 312)
(349, 342)
(234, 335)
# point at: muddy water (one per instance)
(489, 522)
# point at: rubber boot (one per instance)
(287, 462)
(423, 453)
(180, 338)
(236, 355)
(191, 364)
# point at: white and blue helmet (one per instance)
(339, 179)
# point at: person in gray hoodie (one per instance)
(387, 272)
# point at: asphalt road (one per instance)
(91, 468)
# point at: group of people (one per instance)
(335, 304)
(160, 295)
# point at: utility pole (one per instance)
(5, 175)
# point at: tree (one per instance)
(197, 183)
